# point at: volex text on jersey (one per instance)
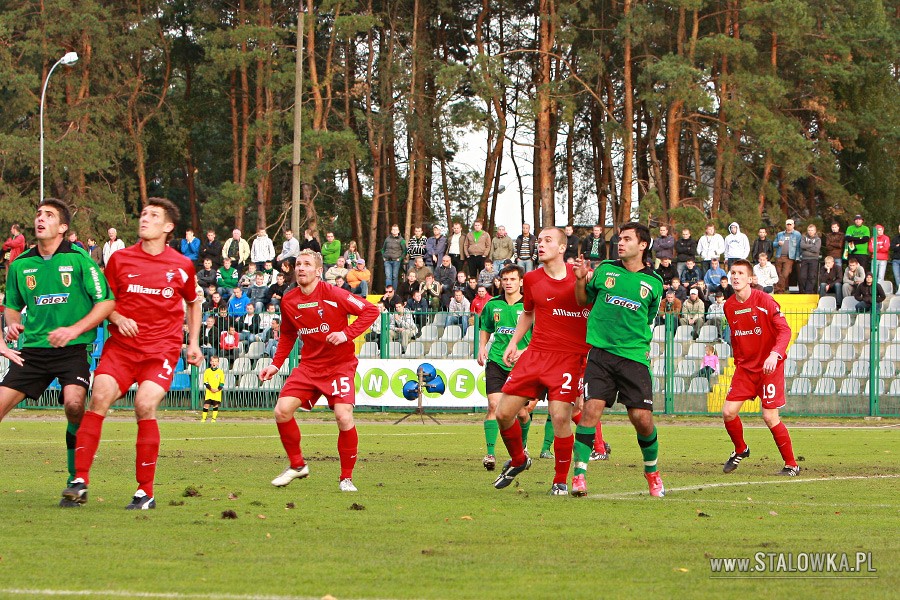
(623, 302)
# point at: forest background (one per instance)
(676, 111)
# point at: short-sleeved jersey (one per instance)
(500, 318)
(150, 289)
(560, 324)
(214, 379)
(625, 306)
(316, 315)
(58, 291)
(757, 328)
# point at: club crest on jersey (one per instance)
(321, 312)
(170, 275)
(610, 282)
(30, 281)
(496, 316)
(66, 279)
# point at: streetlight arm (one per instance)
(68, 59)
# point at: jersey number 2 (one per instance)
(340, 386)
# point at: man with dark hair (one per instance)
(435, 247)
(593, 247)
(66, 298)
(626, 296)
(211, 248)
(15, 244)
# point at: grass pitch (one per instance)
(427, 523)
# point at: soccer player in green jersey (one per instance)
(500, 317)
(625, 294)
(66, 297)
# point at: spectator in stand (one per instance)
(572, 246)
(265, 319)
(340, 282)
(737, 246)
(487, 274)
(830, 280)
(248, 326)
(690, 275)
(331, 250)
(834, 244)
(593, 247)
(14, 244)
(223, 321)
(714, 275)
(290, 247)
(880, 247)
(417, 247)
(725, 288)
(94, 249)
(390, 300)
(258, 292)
(410, 284)
(766, 275)
(787, 251)
(762, 244)
(856, 239)
(207, 276)
(854, 274)
(227, 278)
(190, 246)
(613, 252)
(276, 291)
(212, 249)
(481, 298)
(392, 250)
(664, 245)
(435, 247)
(359, 278)
(249, 276)
(418, 306)
(209, 338)
(810, 249)
(666, 270)
(669, 305)
(895, 260)
(503, 248)
(476, 248)
(262, 249)
(351, 255)
(471, 289)
(214, 303)
(715, 314)
(526, 249)
(271, 336)
(229, 342)
(310, 242)
(680, 290)
(286, 267)
(112, 244)
(693, 312)
(445, 274)
(459, 311)
(864, 294)
(432, 291)
(710, 245)
(455, 246)
(237, 249)
(420, 269)
(403, 327)
(685, 248)
(339, 269)
(238, 303)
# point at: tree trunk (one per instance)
(546, 107)
(627, 125)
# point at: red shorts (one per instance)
(747, 385)
(129, 365)
(337, 385)
(559, 374)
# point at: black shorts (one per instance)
(213, 403)
(494, 377)
(42, 365)
(612, 378)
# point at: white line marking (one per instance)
(745, 502)
(128, 594)
(703, 486)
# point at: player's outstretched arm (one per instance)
(581, 271)
(194, 313)
(61, 336)
(127, 327)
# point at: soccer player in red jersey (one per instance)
(759, 339)
(553, 363)
(319, 312)
(150, 281)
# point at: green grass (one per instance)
(429, 524)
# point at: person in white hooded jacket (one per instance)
(737, 246)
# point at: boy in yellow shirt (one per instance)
(214, 382)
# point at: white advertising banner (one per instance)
(380, 382)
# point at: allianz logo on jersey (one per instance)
(46, 299)
(136, 288)
(742, 332)
(623, 302)
(324, 328)
(561, 312)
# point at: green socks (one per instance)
(525, 427)
(71, 430)
(491, 431)
(548, 435)
(650, 449)
(584, 443)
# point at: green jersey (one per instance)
(57, 291)
(625, 306)
(500, 318)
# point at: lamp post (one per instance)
(68, 59)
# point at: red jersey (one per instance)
(315, 316)
(149, 290)
(560, 325)
(757, 328)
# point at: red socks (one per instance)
(86, 443)
(146, 455)
(512, 439)
(599, 446)
(735, 431)
(348, 443)
(576, 418)
(562, 448)
(290, 439)
(783, 441)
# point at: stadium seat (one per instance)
(822, 352)
(811, 368)
(849, 387)
(452, 333)
(708, 333)
(224, 363)
(230, 381)
(698, 385)
(256, 350)
(825, 387)
(890, 320)
(894, 304)
(394, 350)
(658, 368)
(880, 387)
(887, 369)
(438, 350)
(895, 388)
(684, 333)
(696, 350)
(677, 385)
(859, 369)
(429, 333)
(833, 334)
(276, 383)
(655, 349)
(892, 352)
(848, 305)
(845, 352)
(897, 335)
(248, 381)
(470, 335)
(241, 366)
(800, 387)
(790, 368)
(440, 320)
(842, 320)
(461, 349)
(819, 318)
(285, 369)
(836, 369)
(723, 350)
(414, 350)
(798, 351)
(659, 333)
(827, 303)
(809, 334)
(369, 350)
(687, 368)
(888, 287)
